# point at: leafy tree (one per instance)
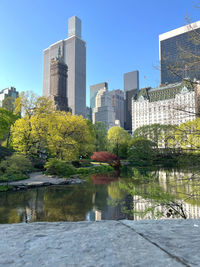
(7, 118)
(25, 103)
(187, 136)
(69, 137)
(48, 131)
(157, 133)
(100, 131)
(118, 140)
(8, 103)
(142, 150)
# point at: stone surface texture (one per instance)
(104, 243)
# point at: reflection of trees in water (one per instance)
(160, 194)
(145, 194)
(16, 206)
(69, 203)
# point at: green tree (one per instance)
(100, 132)
(157, 133)
(187, 136)
(7, 119)
(142, 151)
(49, 132)
(8, 103)
(25, 103)
(118, 140)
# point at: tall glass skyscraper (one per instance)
(179, 53)
(73, 52)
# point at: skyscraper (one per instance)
(104, 110)
(94, 90)
(73, 51)
(179, 53)
(118, 105)
(8, 92)
(58, 83)
(131, 87)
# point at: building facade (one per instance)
(8, 92)
(171, 104)
(73, 51)
(118, 105)
(179, 52)
(104, 110)
(94, 90)
(131, 87)
(58, 83)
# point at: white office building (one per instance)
(104, 110)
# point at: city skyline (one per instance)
(115, 45)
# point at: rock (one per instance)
(102, 243)
(38, 179)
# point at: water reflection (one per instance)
(163, 194)
(143, 194)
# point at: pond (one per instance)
(139, 194)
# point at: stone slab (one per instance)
(85, 244)
(179, 238)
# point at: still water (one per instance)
(139, 194)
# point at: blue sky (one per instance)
(121, 36)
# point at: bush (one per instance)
(59, 167)
(15, 167)
(107, 157)
(85, 163)
(5, 152)
(76, 164)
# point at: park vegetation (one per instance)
(57, 142)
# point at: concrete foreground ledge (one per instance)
(103, 243)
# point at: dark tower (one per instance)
(58, 82)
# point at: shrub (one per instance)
(85, 163)
(15, 167)
(76, 164)
(59, 167)
(107, 157)
(83, 171)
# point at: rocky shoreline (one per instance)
(38, 179)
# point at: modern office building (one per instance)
(58, 83)
(118, 105)
(131, 87)
(179, 53)
(8, 92)
(104, 110)
(169, 104)
(94, 90)
(73, 51)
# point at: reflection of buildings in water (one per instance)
(31, 209)
(111, 212)
(170, 182)
(162, 211)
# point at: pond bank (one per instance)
(38, 179)
(103, 243)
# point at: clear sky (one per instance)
(121, 36)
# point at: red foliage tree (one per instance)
(104, 156)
